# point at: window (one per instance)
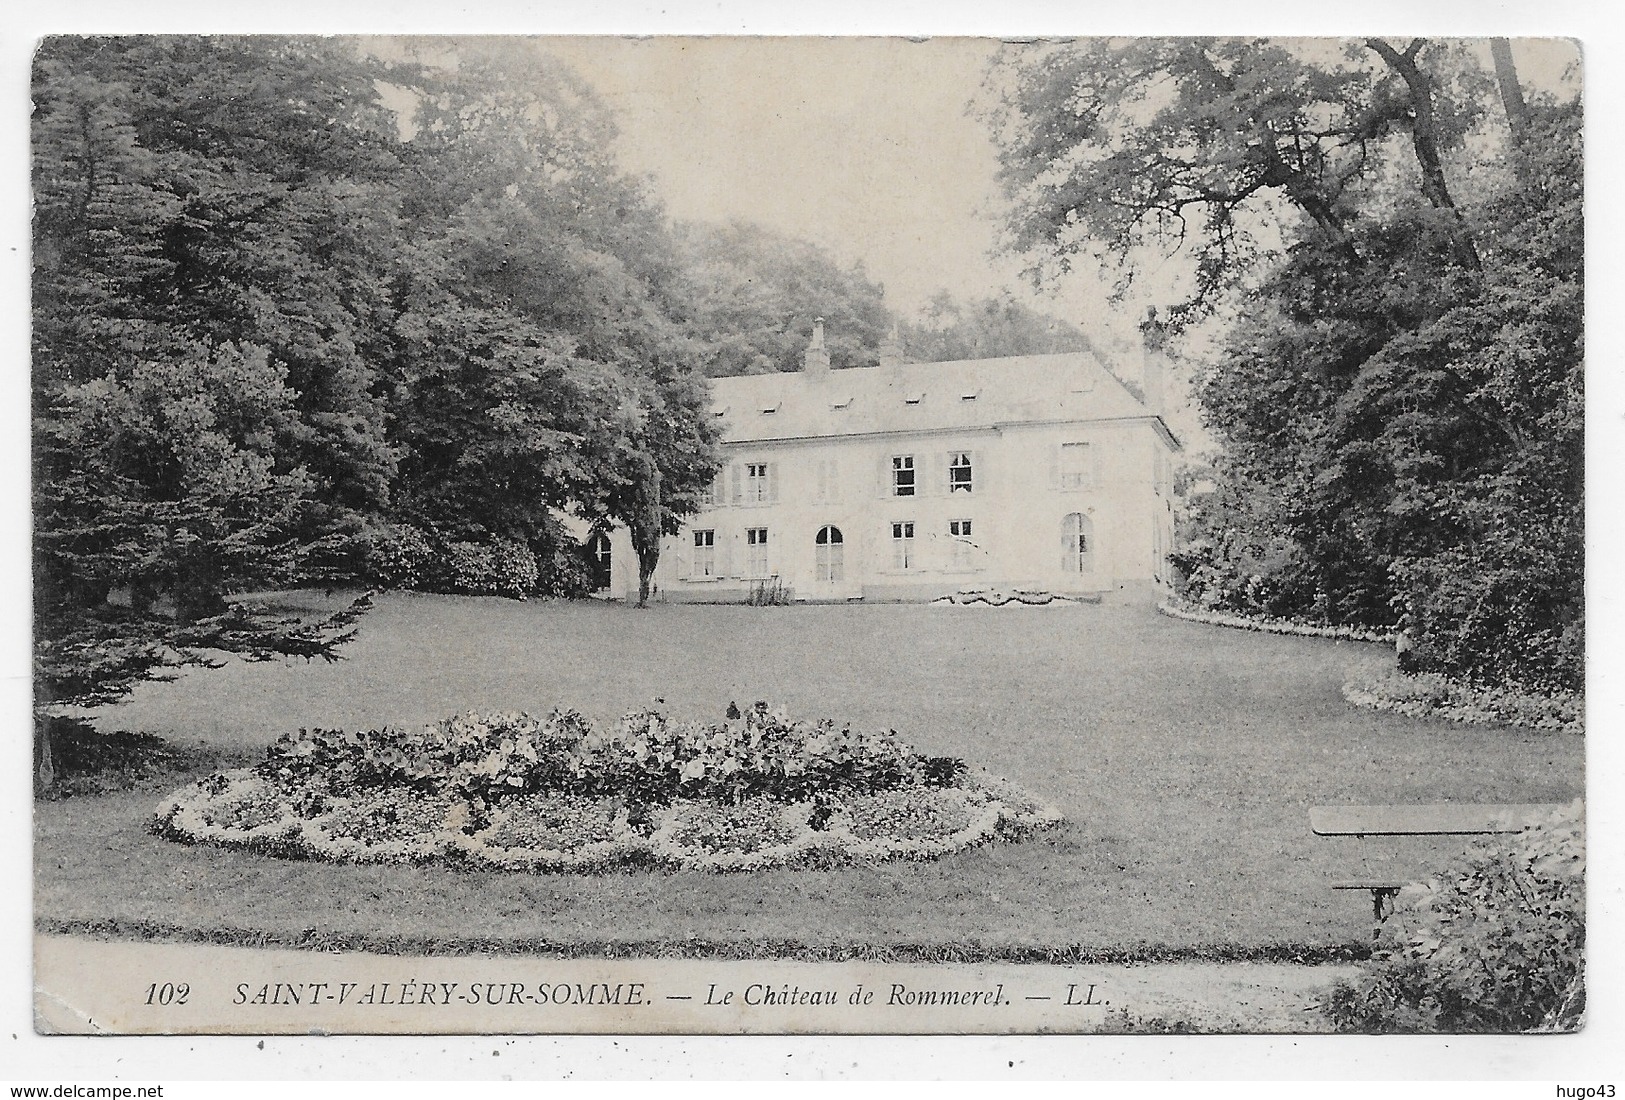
(1077, 466)
(902, 545)
(756, 551)
(830, 554)
(754, 482)
(964, 550)
(758, 476)
(705, 554)
(959, 472)
(1077, 544)
(902, 475)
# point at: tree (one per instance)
(753, 295)
(547, 363)
(1232, 148)
(658, 463)
(1397, 392)
(212, 234)
(986, 328)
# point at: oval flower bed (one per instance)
(513, 792)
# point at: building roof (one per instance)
(961, 395)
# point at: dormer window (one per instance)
(769, 410)
(914, 398)
(720, 411)
(841, 402)
(969, 395)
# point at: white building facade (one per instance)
(914, 481)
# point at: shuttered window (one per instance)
(1075, 468)
(704, 563)
(902, 544)
(760, 484)
(827, 488)
(963, 554)
(902, 476)
(756, 552)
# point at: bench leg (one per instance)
(1380, 911)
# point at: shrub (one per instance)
(398, 555)
(771, 592)
(563, 571)
(502, 567)
(1507, 609)
(1272, 579)
(468, 568)
(513, 568)
(1495, 943)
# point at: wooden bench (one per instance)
(1444, 819)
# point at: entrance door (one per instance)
(1078, 545)
(598, 562)
(829, 562)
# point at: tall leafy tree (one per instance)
(753, 295)
(213, 226)
(269, 317)
(986, 328)
(549, 359)
(1397, 392)
(1230, 149)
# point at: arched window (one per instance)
(1077, 544)
(598, 561)
(830, 551)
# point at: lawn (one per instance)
(1185, 757)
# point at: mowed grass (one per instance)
(1185, 758)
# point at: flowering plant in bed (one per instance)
(511, 791)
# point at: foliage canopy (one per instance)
(1396, 271)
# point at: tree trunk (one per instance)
(646, 571)
(44, 768)
(646, 544)
(1425, 140)
(645, 528)
(1506, 75)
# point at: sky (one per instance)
(866, 146)
(863, 146)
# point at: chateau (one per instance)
(913, 481)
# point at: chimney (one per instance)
(891, 348)
(815, 360)
(1153, 360)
